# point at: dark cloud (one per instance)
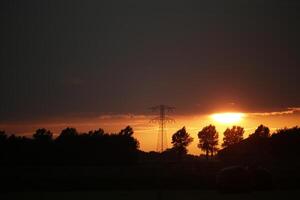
(62, 57)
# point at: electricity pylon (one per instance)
(162, 119)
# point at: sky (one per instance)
(104, 63)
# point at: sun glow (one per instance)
(228, 118)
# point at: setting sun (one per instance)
(227, 118)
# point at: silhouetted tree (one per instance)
(42, 146)
(180, 140)
(3, 136)
(67, 134)
(97, 133)
(70, 148)
(233, 136)
(3, 140)
(285, 142)
(261, 132)
(127, 134)
(208, 140)
(128, 131)
(287, 132)
(43, 135)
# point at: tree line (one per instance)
(70, 147)
(98, 147)
(209, 138)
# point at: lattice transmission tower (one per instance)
(162, 119)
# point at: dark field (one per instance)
(255, 164)
(150, 195)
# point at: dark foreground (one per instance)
(68, 169)
(149, 195)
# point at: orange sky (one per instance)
(146, 132)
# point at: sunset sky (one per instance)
(93, 64)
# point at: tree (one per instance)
(68, 134)
(261, 132)
(96, 133)
(233, 136)
(180, 140)
(42, 135)
(208, 140)
(128, 131)
(126, 135)
(3, 136)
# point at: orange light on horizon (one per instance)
(228, 118)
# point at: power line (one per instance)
(162, 119)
